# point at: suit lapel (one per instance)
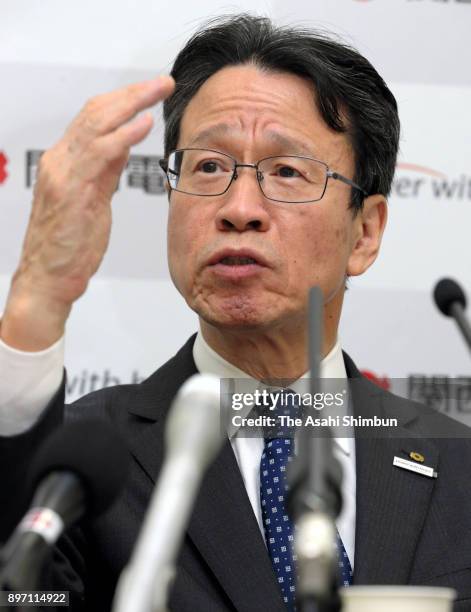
(226, 532)
(223, 526)
(392, 503)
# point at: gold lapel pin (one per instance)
(417, 457)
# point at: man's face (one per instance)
(250, 114)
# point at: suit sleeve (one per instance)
(16, 453)
(67, 568)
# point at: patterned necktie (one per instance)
(345, 573)
(277, 525)
(279, 533)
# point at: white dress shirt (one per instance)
(248, 450)
(28, 381)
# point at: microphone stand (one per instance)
(315, 495)
(450, 299)
(458, 313)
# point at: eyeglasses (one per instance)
(291, 179)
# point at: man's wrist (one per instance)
(32, 324)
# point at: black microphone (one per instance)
(315, 498)
(451, 301)
(78, 472)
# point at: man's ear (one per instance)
(168, 191)
(368, 228)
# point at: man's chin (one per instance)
(234, 314)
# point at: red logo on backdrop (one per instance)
(381, 381)
(415, 181)
(3, 164)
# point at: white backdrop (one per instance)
(54, 55)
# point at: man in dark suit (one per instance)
(280, 151)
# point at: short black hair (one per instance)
(350, 94)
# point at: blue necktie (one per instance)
(277, 525)
(279, 534)
(345, 573)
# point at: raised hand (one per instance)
(70, 222)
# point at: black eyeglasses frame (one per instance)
(163, 163)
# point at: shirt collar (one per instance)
(209, 362)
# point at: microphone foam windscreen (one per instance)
(91, 450)
(446, 293)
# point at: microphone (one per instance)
(193, 437)
(77, 472)
(315, 498)
(451, 301)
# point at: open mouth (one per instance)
(237, 261)
(234, 265)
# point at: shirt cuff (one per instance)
(28, 382)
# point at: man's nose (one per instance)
(245, 207)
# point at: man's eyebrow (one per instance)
(221, 129)
(290, 145)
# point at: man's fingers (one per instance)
(108, 112)
(102, 152)
(131, 133)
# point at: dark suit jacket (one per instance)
(410, 529)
